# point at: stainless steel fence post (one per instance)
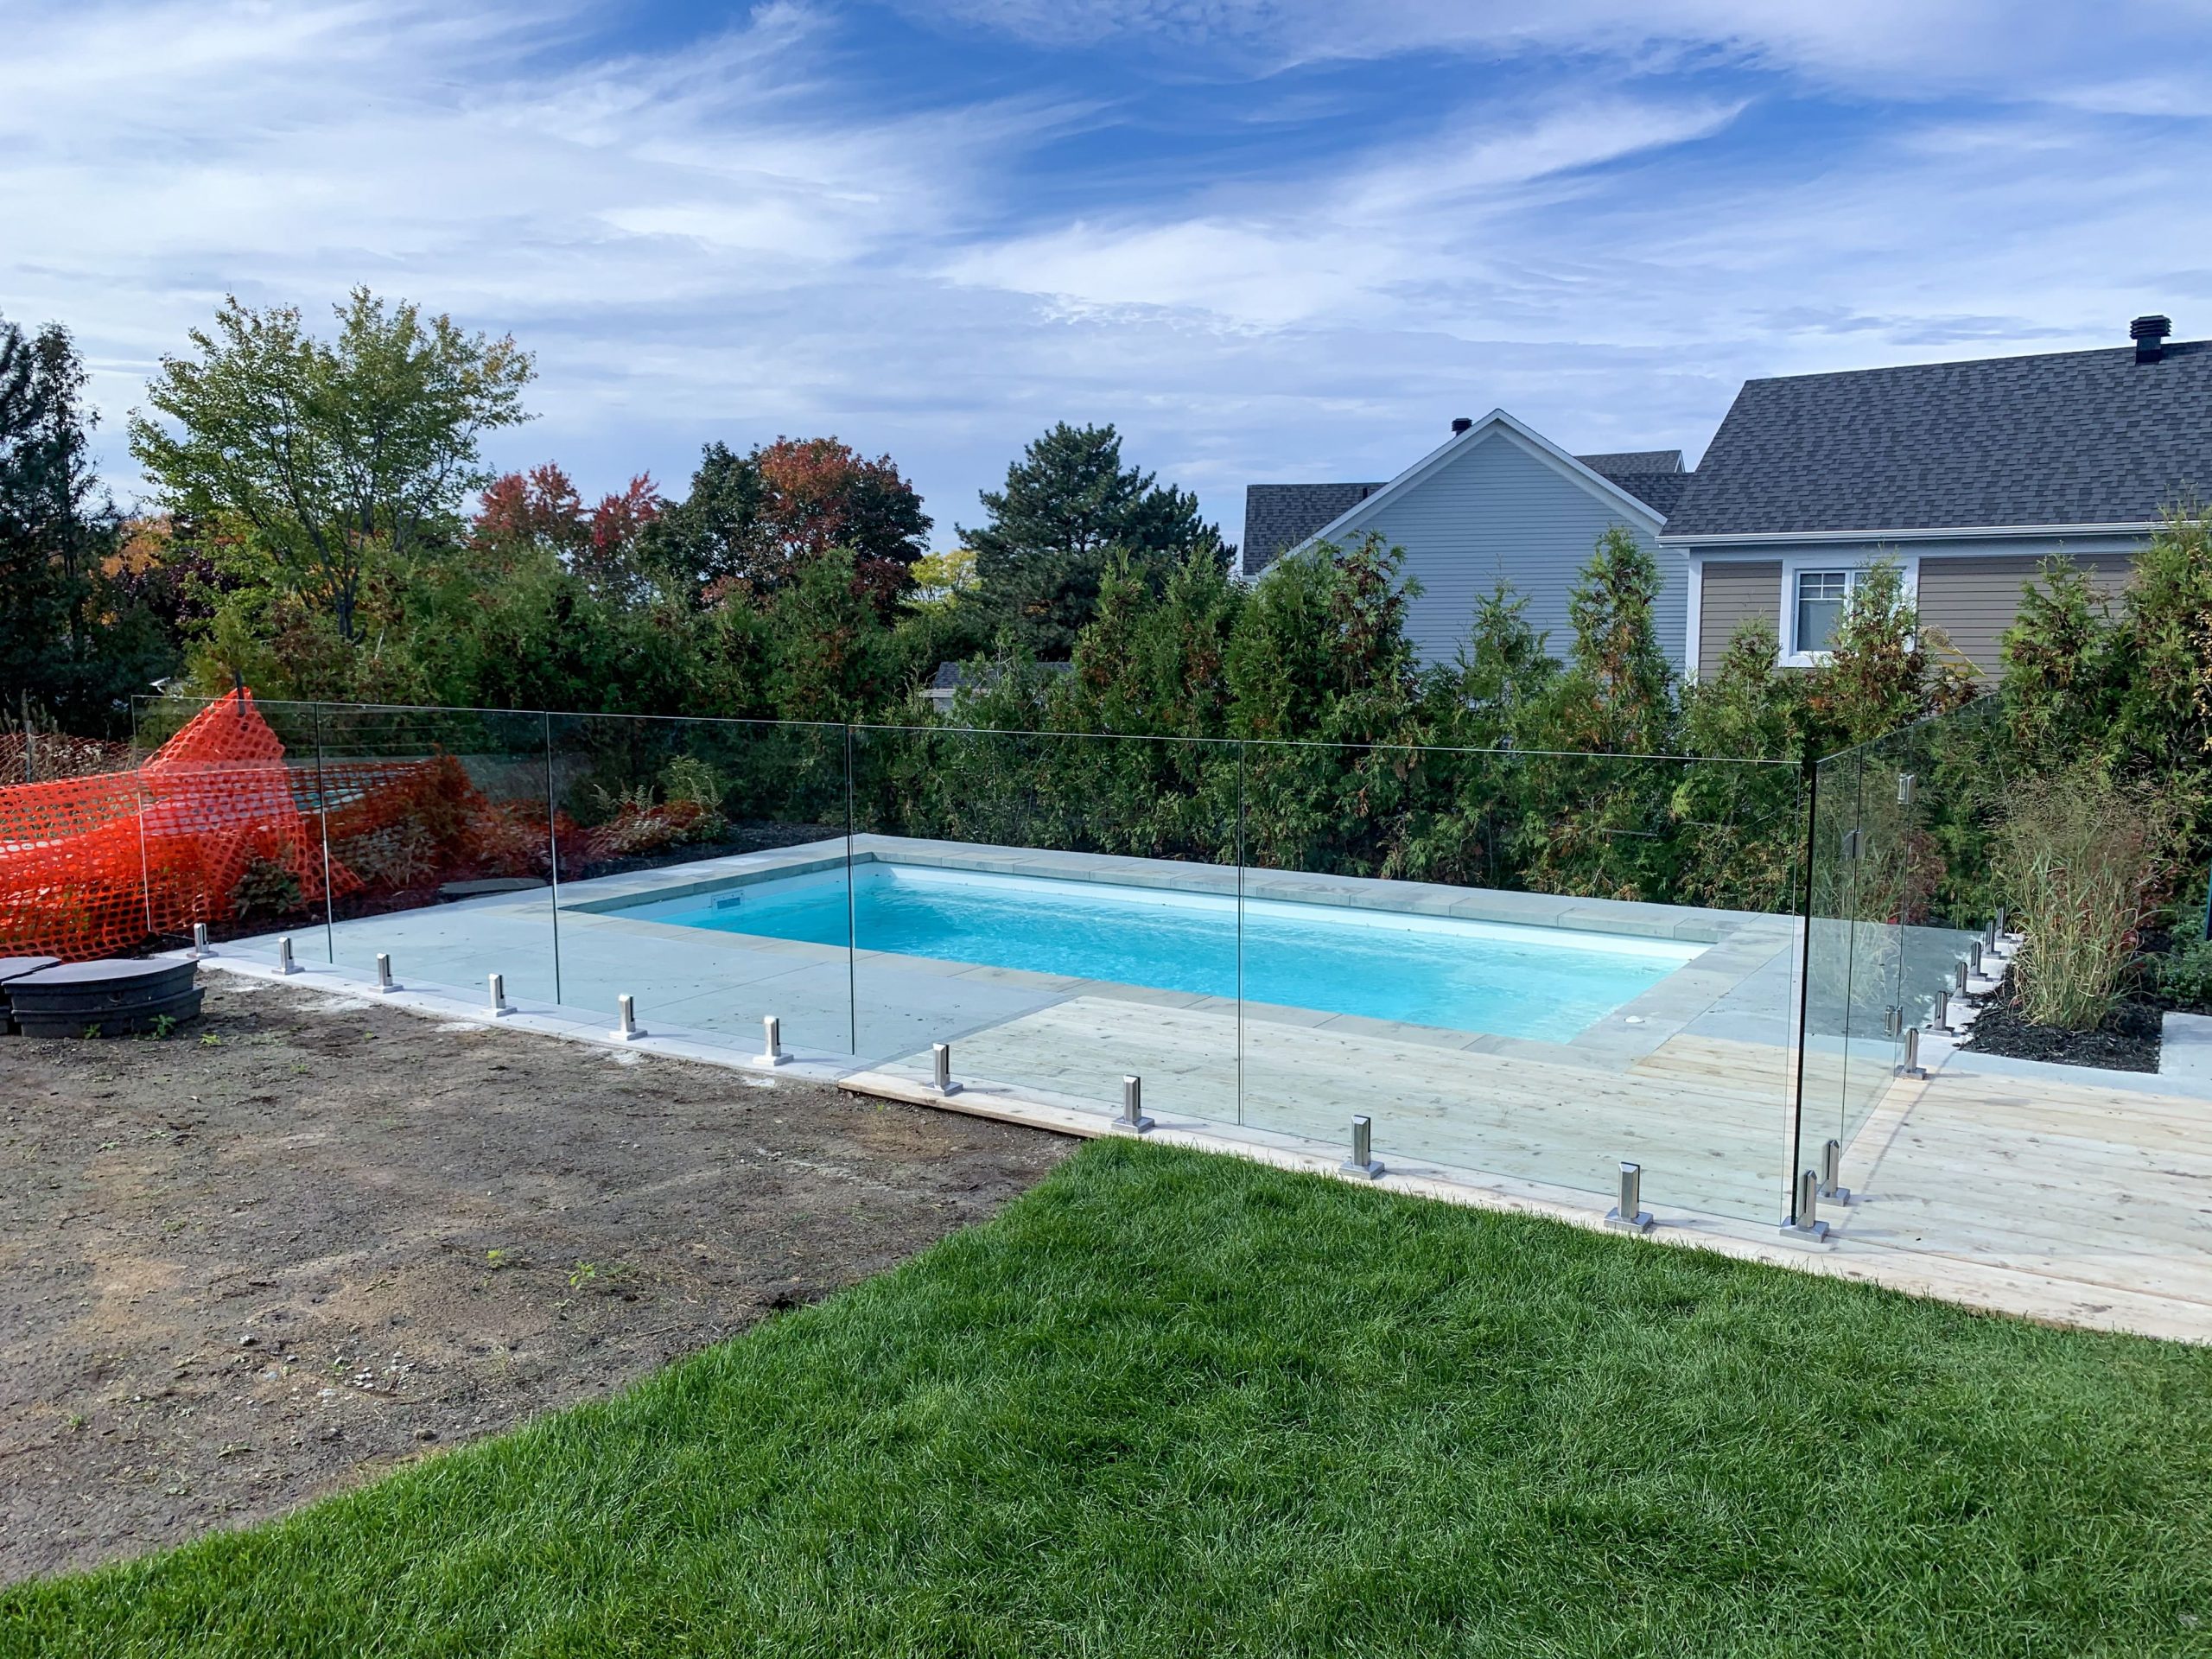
(1362, 1161)
(285, 962)
(384, 972)
(1943, 1008)
(1132, 1120)
(1807, 1223)
(200, 940)
(941, 1069)
(772, 1043)
(1629, 1216)
(625, 1014)
(1832, 1185)
(1912, 1067)
(497, 984)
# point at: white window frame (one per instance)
(1854, 566)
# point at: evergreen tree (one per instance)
(2168, 703)
(2063, 671)
(76, 640)
(1505, 674)
(1620, 692)
(1068, 505)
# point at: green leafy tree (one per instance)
(332, 463)
(751, 524)
(1068, 505)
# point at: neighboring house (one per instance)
(1497, 502)
(1967, 475)
(951, 678)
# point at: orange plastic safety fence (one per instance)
(92, 865)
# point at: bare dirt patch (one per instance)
(308, 1238)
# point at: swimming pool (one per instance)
(1428, 970)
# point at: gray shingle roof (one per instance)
(1278, 516)
(1661, 492)
(1634, 461)
(2063, 438)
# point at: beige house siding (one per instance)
(1732, 593)
(1973, 599)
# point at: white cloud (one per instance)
(1378, 235)
(727, 239)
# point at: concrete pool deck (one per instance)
(2067, 1201)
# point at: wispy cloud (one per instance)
(1890, 48)
(1603, 217)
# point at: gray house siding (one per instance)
(1730, 594)
(1502, 512)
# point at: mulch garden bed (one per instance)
(2129, 1042)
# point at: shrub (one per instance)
(2079, 858)
(267, 887)
(2186, 975)
(692, 782)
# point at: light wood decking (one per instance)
(2067, 1203)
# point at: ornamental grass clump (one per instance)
(2079, 859)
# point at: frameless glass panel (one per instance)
(1060, 909)
(440, 853)
(677, 841)
(1958, 766)
(1525, 965)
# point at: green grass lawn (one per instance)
(1181, 1405)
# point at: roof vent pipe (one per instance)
(1462, 424)
(2148, 334)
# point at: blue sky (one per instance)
(1270, 239)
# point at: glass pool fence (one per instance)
(1525, 967)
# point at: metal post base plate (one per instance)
(386, 990)
(771, 1059)
(1835, 1195)
(1142, 1126)
(627, 1036)
(1640, 1222)
(948, 1089)
(1369, 1171)
(1817, 1233)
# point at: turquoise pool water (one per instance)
(1428, 970)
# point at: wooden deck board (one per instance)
(2055, 1200)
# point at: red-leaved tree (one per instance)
(753, 523)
